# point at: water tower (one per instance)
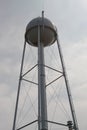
(40, 33)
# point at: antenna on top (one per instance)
(43, 18)
(42, 13)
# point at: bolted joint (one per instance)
(70, 125)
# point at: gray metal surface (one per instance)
(47, 32)
(19, 87)
(42, 103)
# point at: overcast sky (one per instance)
(70, 17)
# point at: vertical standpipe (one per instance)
(42, 103)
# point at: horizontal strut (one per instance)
(46, 121)
(30, 81)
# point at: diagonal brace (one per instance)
(29, 70)
(53, 69)
(27, 125)
(54, 80)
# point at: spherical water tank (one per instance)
(47, 32)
